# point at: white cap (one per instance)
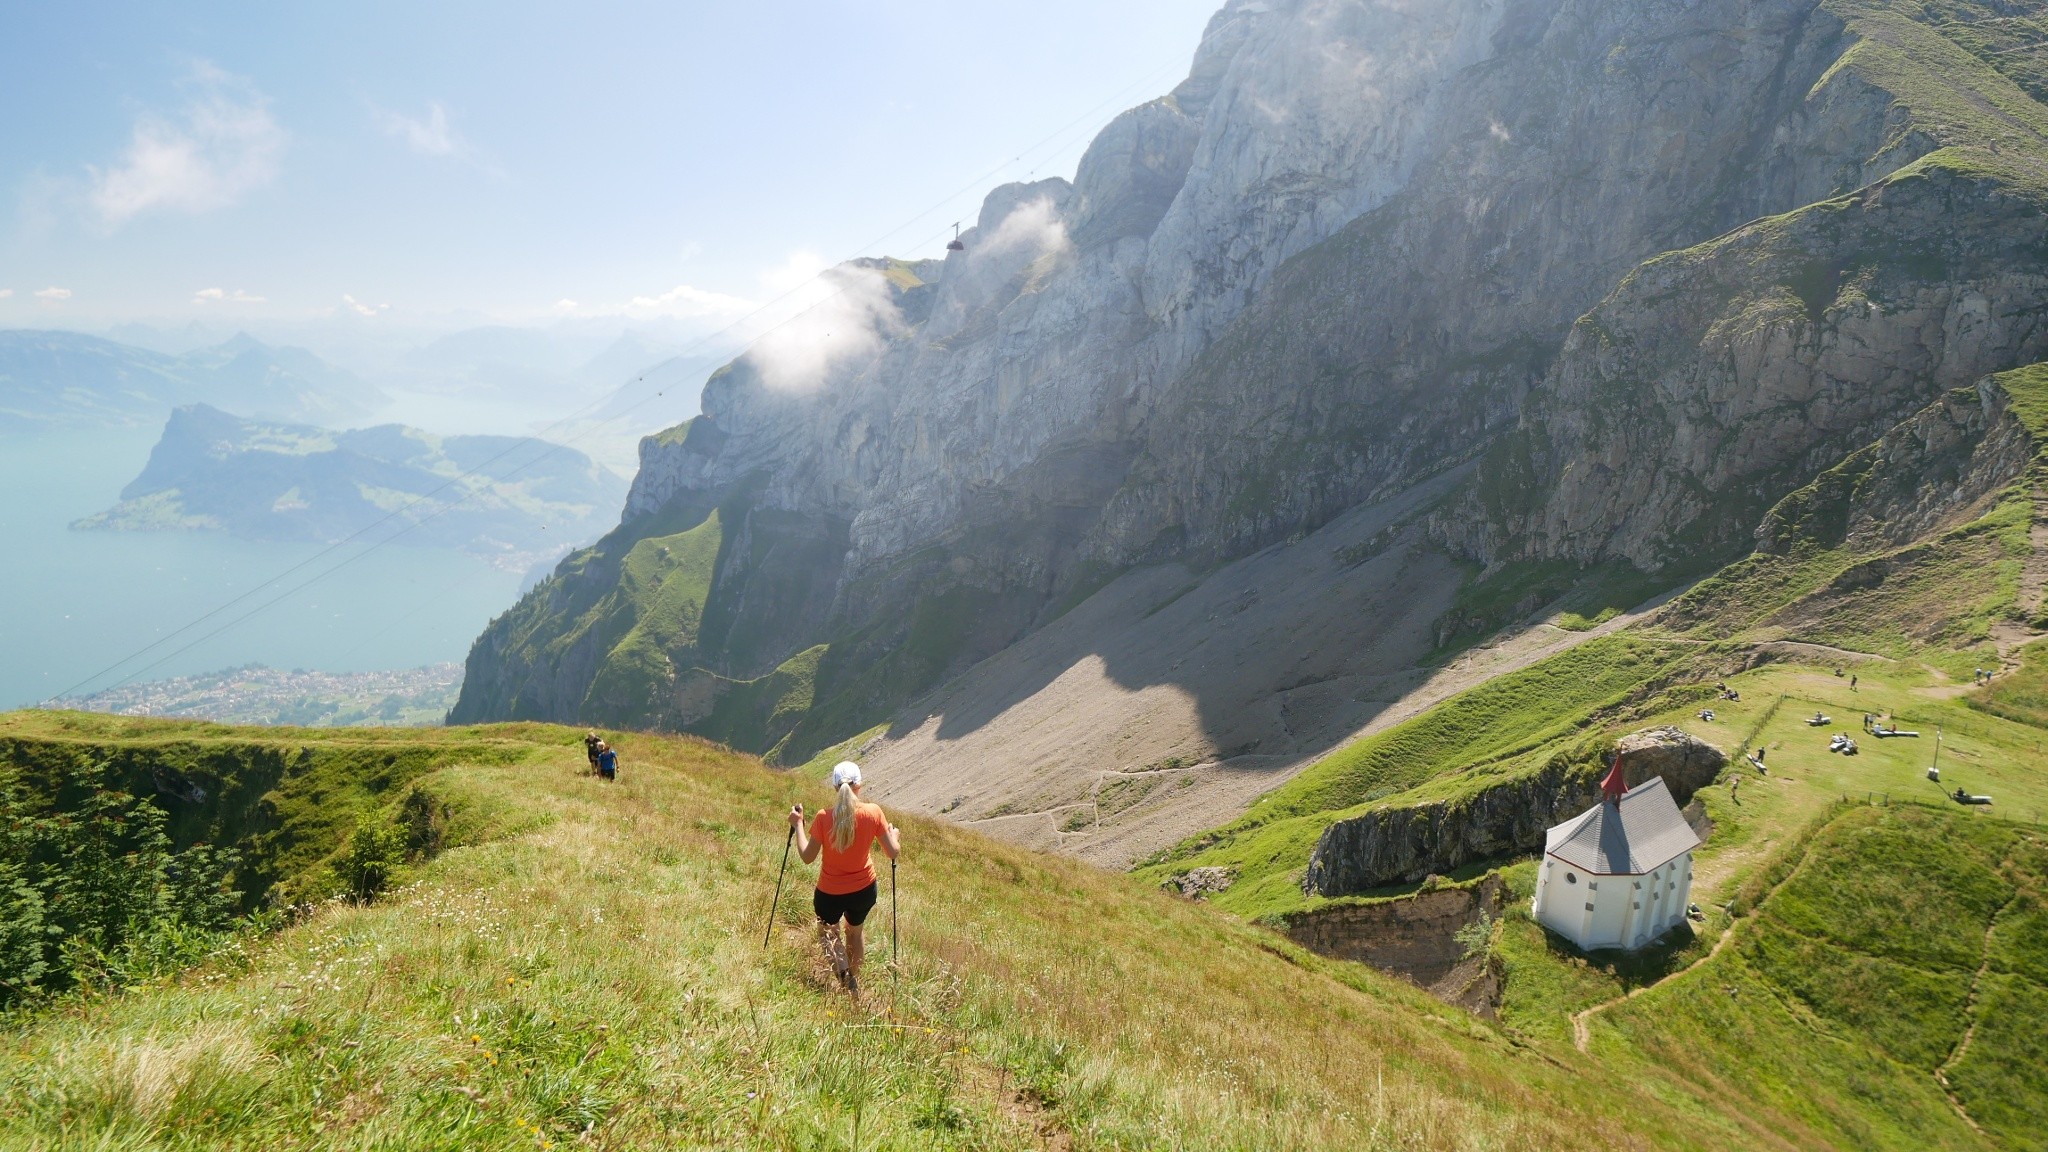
(847, 772)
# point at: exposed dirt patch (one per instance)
(2011, 635)
(1416, 937)
(1019, 1106)
(1476, 985)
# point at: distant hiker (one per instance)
(1852, 683)
(1735, 787)
(591, 743)
(607, 761)
(847, 885)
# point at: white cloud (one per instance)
(428, 136)
(566, 304)
(53, 293)
(685, 302)
(360, 308)
(5, 293)
(213, 295)
(223, 144)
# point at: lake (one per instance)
(73, 603)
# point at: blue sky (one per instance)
(500, 161)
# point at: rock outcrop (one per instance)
(1405, 843)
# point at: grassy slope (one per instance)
(598, 963)
(1857, 978)
(663, 584)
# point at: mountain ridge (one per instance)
(1645, 270)
(58, 376)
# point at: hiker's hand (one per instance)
(796, 816)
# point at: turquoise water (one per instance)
(73, 603)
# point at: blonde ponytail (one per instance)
(842, 819)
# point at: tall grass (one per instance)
(595, 976)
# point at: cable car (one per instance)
(954, 245)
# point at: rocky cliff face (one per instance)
(1932, 469)
(1715, 380)
(1655, 264)
(1404, 844)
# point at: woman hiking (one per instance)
(847, 886)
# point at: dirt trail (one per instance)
(1582, 1020)
(1169, 701)
(2011, 635)
(1962, 1047)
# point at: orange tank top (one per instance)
(843, 873)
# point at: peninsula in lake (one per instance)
(516, 501)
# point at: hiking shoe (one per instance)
(852, 983)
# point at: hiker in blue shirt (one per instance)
(607, 761)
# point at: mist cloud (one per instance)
(1032, 228)
(844, 313)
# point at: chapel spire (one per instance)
(1614, 785)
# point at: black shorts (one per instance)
(854, 906)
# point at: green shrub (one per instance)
(96, 895)
(375, 853)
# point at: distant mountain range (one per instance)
(66, 377)
(513, 500)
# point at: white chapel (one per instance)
(1619, 874)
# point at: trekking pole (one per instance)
(776, 904)
(892, 910)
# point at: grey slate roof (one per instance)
(1648, 833)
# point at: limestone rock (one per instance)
(1405, 844)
